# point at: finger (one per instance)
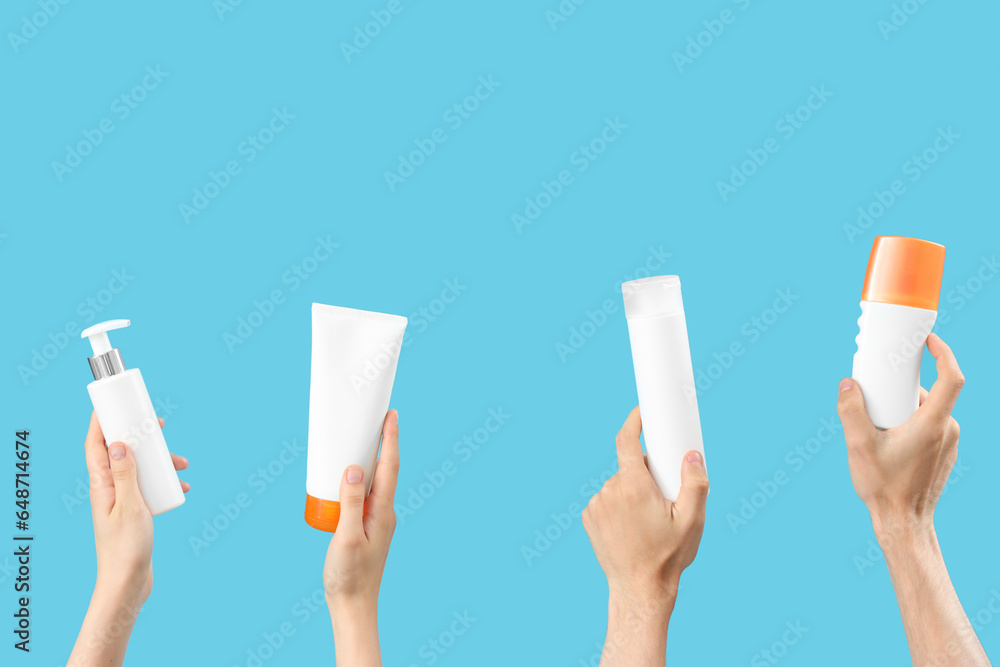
(948, 385)
(185, 487)
(162, 423)
(694, 487)
(352, 503)
(102, 485)
(627, 442)
(180, 463)
(923, 396)
(123, 470)
(383, 490)
(853, 415)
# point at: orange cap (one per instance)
(322, 514)
(904, 271)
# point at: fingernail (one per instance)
(116, 451)
(394, 416)
(354, 475)
(694, 458)
(846, 384)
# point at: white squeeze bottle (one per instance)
(664, 377)
(126, 414)
(898, 309)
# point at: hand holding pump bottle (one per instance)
(126, 414)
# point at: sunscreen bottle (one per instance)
(354, 356)
(899, 304)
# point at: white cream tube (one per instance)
(354, 355)
(664, 377)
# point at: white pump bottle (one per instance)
(126, 414)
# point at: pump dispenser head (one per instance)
(106, 361)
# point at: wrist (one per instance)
(350, 612)
(123, 587)
(904, 535)
(642, 606)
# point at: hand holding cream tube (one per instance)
(354, 355)
(664, 377)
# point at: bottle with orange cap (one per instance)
(899, 304)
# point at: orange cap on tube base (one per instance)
(904, 271)
(322, 514)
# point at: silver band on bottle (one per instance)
(107, 364)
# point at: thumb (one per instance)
(694, 487)
(853, 415)
(352, 503)
(126, 479)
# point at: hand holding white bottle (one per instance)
(126, 414)
(354, 356)
(664, 377)
(898, 309)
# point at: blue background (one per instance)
(495, 346)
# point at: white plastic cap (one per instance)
(653, 297)
(98, 334)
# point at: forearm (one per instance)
(355, 634)
(637, 632)
(106, 629)
(937, 628)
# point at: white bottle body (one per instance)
(354, 357)
(664, 379)
(890, 342)
(126, 414)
